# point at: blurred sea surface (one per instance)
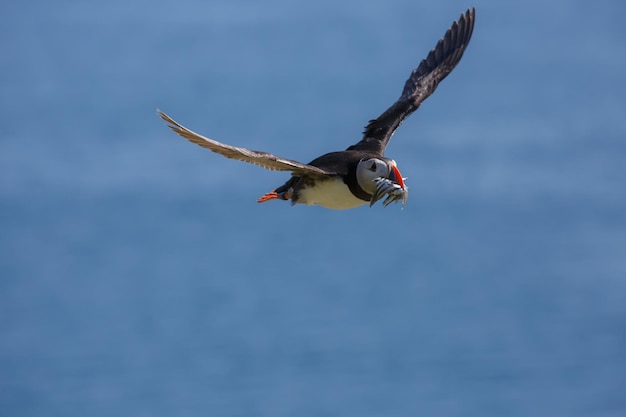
(139, 277)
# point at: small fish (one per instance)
(390, 190)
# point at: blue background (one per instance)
(139, 277)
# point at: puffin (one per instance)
(361, 174)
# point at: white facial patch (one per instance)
(368, 170)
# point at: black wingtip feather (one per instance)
(450, 48)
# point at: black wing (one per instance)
(262, 159)
(422, 83)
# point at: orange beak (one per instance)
(396, 176)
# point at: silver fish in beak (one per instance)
(392, 188)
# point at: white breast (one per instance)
(333, 194)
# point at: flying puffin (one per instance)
(361, 174)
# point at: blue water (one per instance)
(139, 277)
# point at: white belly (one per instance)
(333, 194)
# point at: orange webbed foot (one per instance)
(273, 195)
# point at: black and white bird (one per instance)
(361, 174)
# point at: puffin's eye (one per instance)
(373, 167)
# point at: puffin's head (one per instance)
(380, 177)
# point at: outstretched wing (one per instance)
(262, 159)
(422, 83)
